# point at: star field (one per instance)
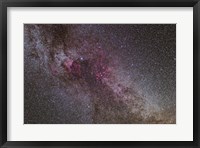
(99, 73)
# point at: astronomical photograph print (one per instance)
(99, 73)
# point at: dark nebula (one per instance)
(99, 73)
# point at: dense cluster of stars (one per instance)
(99, 73)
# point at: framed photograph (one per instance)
(99, 73)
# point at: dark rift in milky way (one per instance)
(87, 74)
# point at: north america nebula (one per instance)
(99, 73)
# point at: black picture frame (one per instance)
(99, 3)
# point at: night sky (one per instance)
(99, 73)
